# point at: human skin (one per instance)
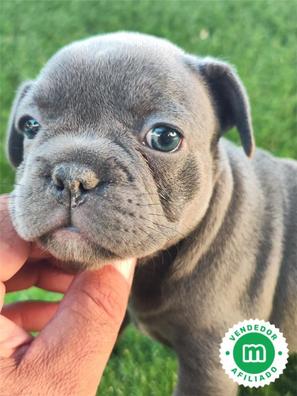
(76, 336)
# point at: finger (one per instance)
(30, 315)
(38, 252)
(41, 274)
(86, 325)
(2, 294)
(11, 337)
(13, 250)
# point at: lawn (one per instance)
(258, 37)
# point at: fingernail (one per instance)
(126, 268)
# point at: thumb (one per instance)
(78, 341)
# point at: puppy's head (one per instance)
(114, 145)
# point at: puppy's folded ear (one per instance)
(229, 98)
(15, 140)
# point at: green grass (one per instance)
(258, 37)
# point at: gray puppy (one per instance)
(119, 152)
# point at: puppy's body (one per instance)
(214, 231)
(239, 263)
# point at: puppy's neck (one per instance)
(171, 263)
(203, 236)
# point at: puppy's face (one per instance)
(114, 144)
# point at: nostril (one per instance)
(73, 178)
(58, 183)
(83, 189)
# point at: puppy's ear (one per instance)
(15, 140)
(229, 98)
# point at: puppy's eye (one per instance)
(29, 126)
(164, 138)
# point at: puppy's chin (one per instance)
(74, 252)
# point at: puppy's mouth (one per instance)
(72, 229)
(70, 245)
(68, 231)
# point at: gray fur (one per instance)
(214, 231)
(15, 140)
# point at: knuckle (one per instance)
(7, 376)
(106, 303)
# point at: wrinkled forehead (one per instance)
(88, 82)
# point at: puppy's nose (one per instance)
(73, 180)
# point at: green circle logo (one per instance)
(254, 353)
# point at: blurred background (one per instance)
(258, 37)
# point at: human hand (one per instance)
(76, 336)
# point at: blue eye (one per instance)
(164, 138)
(29, 126)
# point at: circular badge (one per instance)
(254, 353)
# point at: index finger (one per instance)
(13, 250)
(92, 310)
(42, 274)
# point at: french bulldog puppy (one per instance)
(119, 152)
